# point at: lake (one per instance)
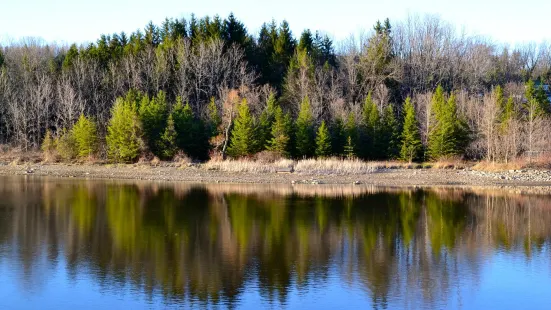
(83, 244)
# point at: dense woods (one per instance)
(413, 90)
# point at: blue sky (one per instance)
(82, 21)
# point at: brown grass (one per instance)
(539, 162)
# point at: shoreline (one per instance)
(400, 177)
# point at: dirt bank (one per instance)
(199, 174)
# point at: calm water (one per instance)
(91, 244)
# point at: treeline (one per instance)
(416, 91)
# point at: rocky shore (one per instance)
(199, 174)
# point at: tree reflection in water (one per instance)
(209, 244)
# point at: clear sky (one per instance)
(506, 21)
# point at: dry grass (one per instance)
(16, 156)
(450, 163)
(335, 166)
(247, 165)
(539, 162)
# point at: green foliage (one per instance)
(48, 144)
(153, 116)
(349, 151)
(338, 137)
(192, 134)
(305, 130)
(86, 136)
(371, 128)
(411, 138)
(66, 145)
(448, 135)
(168, 140)
(214, 119)
(280, 141)
(243, 138)
(323, 141)
(389, 136)
(266, 121)
(124, 133)
(352, 136)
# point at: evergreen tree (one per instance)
(449, 135)
(323, 141)
(389, 134)
(411, 138)
(280, 140)
(153, 116)
(124, 134)
(48, 144)
(372, 143)
(266, 123)
(349, 148)
(338, 137)
(214, 119)
(243, 138)
(85, 135)
(305, 130)
(168, 140)
(352, 136)
(192, 134)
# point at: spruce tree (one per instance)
(389, 134)
(411, 138)
(124, 135)
(372, 142)
(48, 144)
(448, 135)
(338, 136)
(192, 135)
(305, 130)
(323, 141)
(85, 135)
(280, 140)
(352, 136)
(168, 140)
(243, 138)
(349, 148)
(153, 116)
(265, 123)
(214, 119)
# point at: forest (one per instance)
(413, 90)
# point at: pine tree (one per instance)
(338, 137)
(349, 148)
(305, 130)
(214, 119)
(352, 134)
(85, 135)
(265, 123)
(124, 135)
(411, 138)
(243, 138)
(48, 144)
(280, 140)
(448, 135)
(168, 140)
(153, 116)
(323, 141)
(372, 142)
(389, 134)
(192, 135)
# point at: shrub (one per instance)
(66, 145)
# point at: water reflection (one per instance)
(239, 245)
